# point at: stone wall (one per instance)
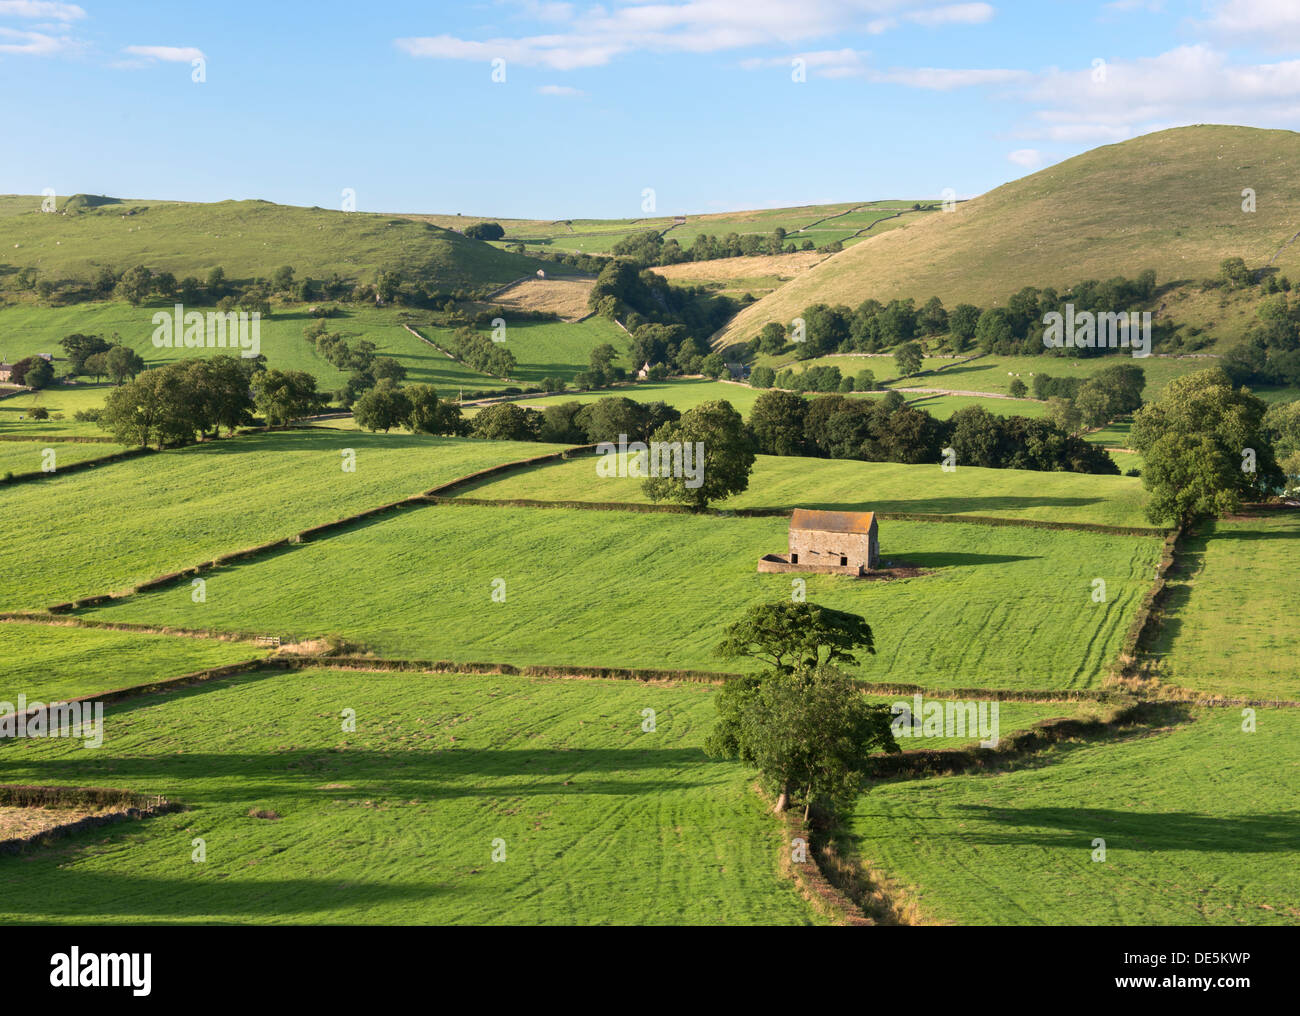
(818, 548)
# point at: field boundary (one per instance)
(60, 438)
(307, 535)
(133, 806)
(77, 467)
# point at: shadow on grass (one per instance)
(1074, 828)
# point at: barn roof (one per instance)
(832, 522)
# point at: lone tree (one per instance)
(1206, 447)
(790, 636)
(810, 734)
(728, 456)
(908, 357)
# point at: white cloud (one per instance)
(169, 54)
(35, 43)
(1272, 24)
(40, 9)
(1189, 84)
(597, 35)
(1030, 158)
(560, 90)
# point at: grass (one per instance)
(60, 401)
(397, 822)
(33, 456)
(1001, 607)
(941, 407)
(846, 485)
(1229, 626)
(48, 663)
(248, 239)
(683, 395)
(551, 348)
(39, 329)
(1056, 227)
(1200, 827)
(108, 529)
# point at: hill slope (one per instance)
(247, 239)
(1171, 201)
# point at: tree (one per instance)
(39, 374)
(1206, 449)
(962, 321)
(385, 368)
(717, 431)
(282, 280)
(810, 734)
(485, 231)
(762, 377)
(506, 421)
(121, 363)
(382, 408)
(908, 357)
(932, 318)
(777, 422)
(1234, 274)
(431, 415)
(135, 284)
(864, 381)
(1064, 413)
(772, 338)
(219, 392)
(789, 636)
(1019, 389)
(713, 366)
(283, 396)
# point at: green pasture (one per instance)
(48, 663)
(1200, 825)
(36, 456)
(997, 607)
(847, 485)
(596, 821)
(104, 530)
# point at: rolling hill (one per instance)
(1171, 201)
(246, 238)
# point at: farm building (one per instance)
(836, 543)
(6, 369)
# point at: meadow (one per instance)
(998, 606)
(48, 663)
(780, 481)
(600, 822)
(109, 528)
(62, 402)
(249, 239)
(34, 456)
(1199, 821)
(1229, 620)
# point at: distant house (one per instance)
(541, 273)
(6, 369)
(644, 372)
(833, 543)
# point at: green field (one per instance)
(396, 822)
(1230, 625)
(249, 239)
(62, 402)
(847, 485)
(52, 662)
(941, 407)
(1000, 607)
(104, 530)
(33, 456)
(1200, 827)
(683, 395)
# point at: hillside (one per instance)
(1171, 201)
(246, 238)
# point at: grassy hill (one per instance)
(1169, 201)
(246, 238)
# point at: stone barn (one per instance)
(836, 543)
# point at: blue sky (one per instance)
(695, 99)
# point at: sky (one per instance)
(542, 109)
